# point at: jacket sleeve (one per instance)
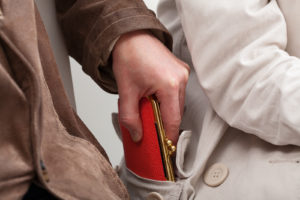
(239, 53)
(91, 28)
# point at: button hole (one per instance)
(284, 161)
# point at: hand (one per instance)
(143, 66)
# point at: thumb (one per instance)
(129, 116)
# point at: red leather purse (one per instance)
(149, 158)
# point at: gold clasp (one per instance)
(166, 146)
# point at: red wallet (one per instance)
(146, 158)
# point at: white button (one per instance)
(216, 175)
(154, 196)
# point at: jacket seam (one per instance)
(123, 19)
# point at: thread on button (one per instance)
(215, 175)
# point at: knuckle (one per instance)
(185, 76)
(174, 85)
(186, 70)
(187, 67)
(183, 73)
(168, 84)
(127, 120)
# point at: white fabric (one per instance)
(48, 14)
(242, 101)
(237, 49)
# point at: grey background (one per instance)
(94, 106)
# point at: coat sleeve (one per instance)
(239, 53)
(92, 27)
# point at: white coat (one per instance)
(242, 102)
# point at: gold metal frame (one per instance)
(166, 146)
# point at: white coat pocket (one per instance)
(142, 188)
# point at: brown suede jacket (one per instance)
(41, 137)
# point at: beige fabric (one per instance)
(242, 101)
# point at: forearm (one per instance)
(91, 28)
(238, 54)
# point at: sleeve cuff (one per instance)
(98, 48)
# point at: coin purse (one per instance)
(151, 157)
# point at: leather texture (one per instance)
(42, 139)
(144, 158)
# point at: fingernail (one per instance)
(136, 136)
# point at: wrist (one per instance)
(129, 38)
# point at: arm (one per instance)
(238, 50)
(93, 29)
